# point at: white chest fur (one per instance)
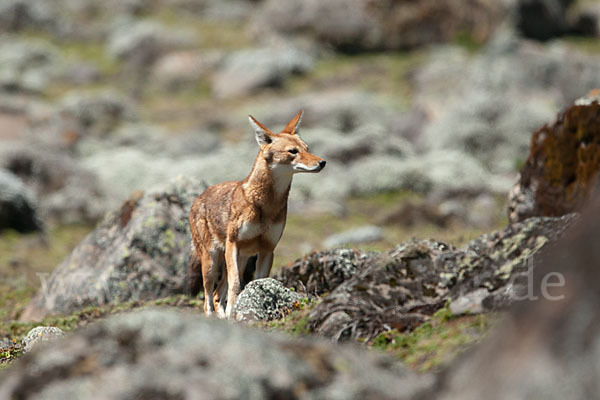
(249, 230)
(271, 232)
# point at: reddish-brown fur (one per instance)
(233, 221)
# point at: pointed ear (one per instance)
(293, 127)
(262, 134)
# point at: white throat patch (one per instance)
(282, 177)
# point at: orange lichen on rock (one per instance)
(561, 172)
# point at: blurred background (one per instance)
(424, 110)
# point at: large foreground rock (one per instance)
(137, 252)
(156, 354)
(549, 346)
(563, 168)
(400, 289)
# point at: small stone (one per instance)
(364, 234)
(40, 334)
(264, 300)
(471, 303)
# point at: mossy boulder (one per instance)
(321, 272)
(561, 172)
(374, 292)
(138, 252)
(165, 354)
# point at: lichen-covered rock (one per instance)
(18, 206)
(144, 40)
(175, 355)
(178, 69)
(363, 234)
(67, 192)
(402, 288)
(264, 300)
(362, 25)
(137, 252)
(397, 290)
(321, 272)
(19, 15)
(542, 19)
(562, 171)
(99, 113)
(27, 66)
(40, 334)
(492, 259)
(548, 346)
(245, 71)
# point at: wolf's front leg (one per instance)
(264, 264)
(233, 276)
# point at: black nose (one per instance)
(322, 163)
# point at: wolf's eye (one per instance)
(293, 151)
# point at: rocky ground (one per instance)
(114, 116)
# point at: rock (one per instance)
(562, 171)
(483, 211)
(245, 71)
(179, 69)
(587, 21)
(412, 213)
(470, 303)
(389, 25)
(492, 129)
(558, 321)
(443, 170)
(542, 19)
(27, 66)
(18, 207)
(404, 287)
(67, 192)
(81, 73)
(264, 300)
(340, 110)
(145, 40)
(441, 208)
(363, 234)
(137, 252)
(479, 108)
(396, 290)
(493, 259)
(40, 334)
(20, 15)
(321, 272)
(122, 170)
(349, 147)
(97, 114)
(151, 140)
(202, 357)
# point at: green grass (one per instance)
(296, 323)
(22, 256)
(588, 45)
(437, 342)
